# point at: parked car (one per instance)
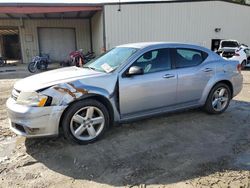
(241, 55)
(224, 44)
(233, 50)
(127, 83)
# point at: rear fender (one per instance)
(211, 83)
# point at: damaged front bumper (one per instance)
(34, 121)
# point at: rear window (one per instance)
(189, 57)
(230, 44)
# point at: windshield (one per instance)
(111, 60)
(231, 44)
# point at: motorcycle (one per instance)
(39, 63)
(79, 59)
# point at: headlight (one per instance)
(33, 99)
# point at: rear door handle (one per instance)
(207, 70)
(168, 76)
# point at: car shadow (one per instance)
(161, 150)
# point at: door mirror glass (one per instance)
(135, 70)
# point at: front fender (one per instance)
(66, 93)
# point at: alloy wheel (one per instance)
(220, 99)
(87, 123)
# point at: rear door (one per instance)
(193, 74)
(155, 89)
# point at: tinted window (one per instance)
(232, 44)
(154, 61)
(188, 57)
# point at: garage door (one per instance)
(57, 42)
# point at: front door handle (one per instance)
(168, 76)
(207, 70)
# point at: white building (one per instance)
(29, 29)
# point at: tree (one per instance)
(239, 1)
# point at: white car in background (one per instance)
(233, 50)
(243, 56)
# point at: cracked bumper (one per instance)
(34, 121)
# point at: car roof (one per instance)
(142, 45)
(229, 40)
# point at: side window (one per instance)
(154, 61)
(189, 57)
(150, 55)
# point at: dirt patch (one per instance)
(185, 149)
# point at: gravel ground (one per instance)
(185, 149)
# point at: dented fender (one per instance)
(65, 93)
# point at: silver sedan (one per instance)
(128, 82)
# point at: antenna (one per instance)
(119, 4)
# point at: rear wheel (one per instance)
(85, 121)
(218, 99)
(32, 67)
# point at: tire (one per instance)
(85, 121)
(243, 64)
(32, 67)
(215, 101)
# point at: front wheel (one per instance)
(32, 67)
(218, 99)
(85, 121)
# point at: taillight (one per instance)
(239, 68)
(236, 54)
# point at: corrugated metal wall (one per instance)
(192, 22)
(97, 32)
(29, 35)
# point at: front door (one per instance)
(154, 89)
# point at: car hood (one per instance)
(50, 78)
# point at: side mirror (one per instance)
(135, 70)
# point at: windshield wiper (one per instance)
(92, 68)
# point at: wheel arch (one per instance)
(228, 83)
(210, 86)
(96, 97)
